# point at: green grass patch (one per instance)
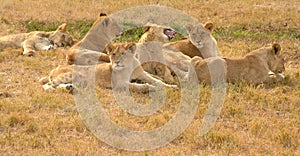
(130, 35)
(77, 29)
(255, 34)
(134, 34)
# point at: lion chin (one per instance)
(118, 67)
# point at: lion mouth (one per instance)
(280, 75)
(118, 67)
(170, 33)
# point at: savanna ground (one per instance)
(255, 120)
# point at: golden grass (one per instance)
(255, 120)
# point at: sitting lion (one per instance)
(108, 75)
(256, 67)
(90, 49)
(200, 43)
(37, 40)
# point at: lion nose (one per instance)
(117, 62)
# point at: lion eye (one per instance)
(114, 54)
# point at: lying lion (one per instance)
(37, 40)
(256, 67)
(123, 64)
(90, 49)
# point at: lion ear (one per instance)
(102, 14)
(108, 48)
(189, 27)
(276, 48)
(131, 47)
(209, 26)
(146, 28)
(62, 27)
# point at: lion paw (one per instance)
(175, 87)
(271, 74)
(30, 53)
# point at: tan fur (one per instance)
(154, 32)
(159, 59)
(201, 42)
(90, 49)
(123, 63)
(37, 40)
(256, 67)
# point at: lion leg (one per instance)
(168, 75)
(141, 88)
(45, 45)
(29, 48)
(61, 81)
(160, 70)
(149, 79)
(44, 80)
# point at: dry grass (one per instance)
(255, 120)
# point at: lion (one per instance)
(154, 32)
(256, 67)
(89, 50)
(168, 56)
(38, 40)
(160, 60)
(200, 43)
(116, 74)
(159, 34)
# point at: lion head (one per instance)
(121, 54)
(60, 37)
(154, 32)
(104, 29)
(100, 34)
(274, 59)
(201, 37)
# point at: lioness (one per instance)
(200, 43)
(90, 49)
(154, 32)
(165, 56)
(256, 67)
(148, 52)
(38, 40)
(123, 63)
(159, 59)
